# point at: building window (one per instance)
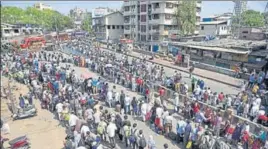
(122, 26)
(155, 27)
(156, 5)
(150, 17)
(143, 28)
(127, 27)
(143, 18)
(202, 27)
(169, 5)
(143, 37)
(108, 27)
(126, 19)
(156, 16)
(113, 26)
(127, 8)
(245, 32)
(168, 16)
(143, 8)
(118, 27)
(156, 37)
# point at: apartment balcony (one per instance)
(130, 12)
(130, 3)
(154, 32)
(163, 21)
(127, 22)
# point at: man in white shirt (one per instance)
(127, 104)
(109, 98)
(111, 128)
(159, 112)
(84, 130)
(144, 110)
(59, 108)
(72, 120)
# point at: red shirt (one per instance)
(196, 108)
(161, 92)
(147, 91)
(221, 97)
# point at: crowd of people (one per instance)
(76, 100)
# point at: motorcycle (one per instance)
(26, 112)
(17, 143)
(93, 144)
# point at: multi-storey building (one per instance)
(150, 23)
(109, 27)
(41, 6)
(240, 7)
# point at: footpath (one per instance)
(221, 78)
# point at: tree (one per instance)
(252, 18)
(185, 16)
(49, 19)
(87, 22)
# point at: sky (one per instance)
(209, 8)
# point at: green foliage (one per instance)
(252, 18)
(249, 18)
(49, 19)
(185, 16)
(86, 23)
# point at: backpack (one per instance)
(142, 142)
(132, 137)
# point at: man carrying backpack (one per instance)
(142, 143)
(133, 136)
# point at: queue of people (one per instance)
(76, 102)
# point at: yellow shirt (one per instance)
(255, 89)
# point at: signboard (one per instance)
(98, 12)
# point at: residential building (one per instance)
(77, 14)
(251, 33)
(150, 23)
(13, 30)
(41, 6)
(100, 12)
(215, 28)
(109, 27)
(239, 7)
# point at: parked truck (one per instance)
(33, 43)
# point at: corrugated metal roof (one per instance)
(216, 49)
